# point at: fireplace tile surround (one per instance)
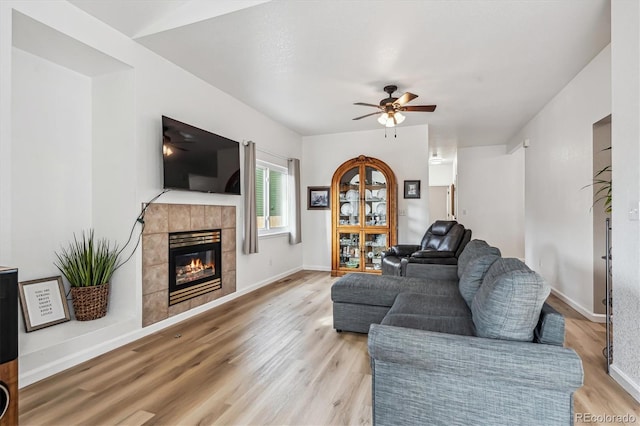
(160, 220)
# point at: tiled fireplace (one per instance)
(188, 258)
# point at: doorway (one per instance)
(601, 160)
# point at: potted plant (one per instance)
(88, 264)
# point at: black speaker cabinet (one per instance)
(8, 346)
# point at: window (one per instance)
(271, 198)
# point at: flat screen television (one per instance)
(197, 160)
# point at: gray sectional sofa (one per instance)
(459, 345)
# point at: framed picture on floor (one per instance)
(411, 189)
(43, 303)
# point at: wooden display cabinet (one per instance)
(363, 215)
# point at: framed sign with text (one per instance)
(43, 303)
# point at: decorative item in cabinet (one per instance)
(374, 244)
(363, 215)
(350, 250)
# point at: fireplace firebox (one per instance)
(194, 264)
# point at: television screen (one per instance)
(197, 160)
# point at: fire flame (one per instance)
(196, 265)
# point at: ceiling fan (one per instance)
(391, 107)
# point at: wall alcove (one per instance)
(72, 133)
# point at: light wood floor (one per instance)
(270, 357)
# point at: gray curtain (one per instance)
(295, 226)
(250, 243)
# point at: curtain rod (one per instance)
(245, 143)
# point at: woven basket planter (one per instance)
(90, 303)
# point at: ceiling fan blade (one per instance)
(373, 113)
(420, 108)
(364, 104)
(407, 97)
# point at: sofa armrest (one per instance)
(429, 271)
(427, 378)
(430, 254)
(417, 256)
(401, 250)
(523, 363)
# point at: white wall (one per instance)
(112, 167)
(51, 154)
(491, 196)
(438, 200)
(441, 174)
(163, 88)
(408, 157)
(113, 176)
(558, 218)
(625, 64)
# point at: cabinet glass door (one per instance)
(350, 197)
(375, 197)
(349, 243)
(374, 245)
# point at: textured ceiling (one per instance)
(489, 65)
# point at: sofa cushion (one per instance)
(507, 306)
(462, 326)
(441, 235)
(473, 250)
(550, 329)
(433, 271)
(473, 275)
(428, 304)
(381, 290)
(442, 227)
(443, 314)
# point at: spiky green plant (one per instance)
(604, 191)
(88, 262)
(602, 181)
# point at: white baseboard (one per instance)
(49, 368)
(60, 364)
(583, 311)
(316, 268)
(623, 380)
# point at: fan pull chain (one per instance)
(395, 132)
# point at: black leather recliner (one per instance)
(441, 244)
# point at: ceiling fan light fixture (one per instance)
(391, 107)
(390, 119)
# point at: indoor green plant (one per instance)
(604, 191)
(88, 264)
(602, 181)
